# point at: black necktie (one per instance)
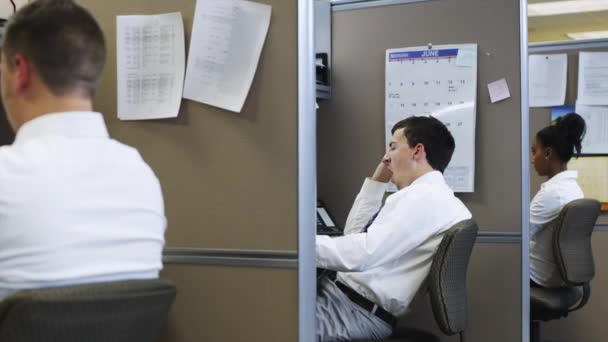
(369, 223)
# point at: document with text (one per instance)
(227, 40)
(592, 78)
(547, 79)
(150, 65)
(596, 137)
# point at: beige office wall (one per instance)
(351, 124)
(232, 304)
(229, 179)
(494, 296)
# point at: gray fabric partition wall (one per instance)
(229, 179)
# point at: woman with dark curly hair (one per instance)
(552, 148)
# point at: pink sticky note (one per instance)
(499, 90)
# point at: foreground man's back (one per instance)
(76, 206)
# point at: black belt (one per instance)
(367, 304)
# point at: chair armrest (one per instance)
(585, 298)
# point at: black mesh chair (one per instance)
(446, 285)
(124, 311)
(571, 232)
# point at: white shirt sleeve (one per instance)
(366, 204)
(545, 206)
(396, 231)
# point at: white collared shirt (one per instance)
(388, 264)
(546, 205)
(76, 206)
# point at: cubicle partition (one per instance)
(231, 186)
(582, 325)
(351, 138)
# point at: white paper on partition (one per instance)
(460, 120)
(499, 90)
(150, 65)
(423, 81)
(547, 79)
(227, 39)
(592, 78)
(596, 138)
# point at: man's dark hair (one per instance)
(62, 41)
(437, 140)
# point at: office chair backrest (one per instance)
(124, 311)
(572, 240)
(447, 278)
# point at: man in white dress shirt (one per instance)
(381, 264)
(75, 205)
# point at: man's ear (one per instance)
(23, 73)
(419, 151)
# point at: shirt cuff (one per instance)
(372, 188)
(321, 246)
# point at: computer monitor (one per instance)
(325, 222)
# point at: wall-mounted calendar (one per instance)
(440, 81)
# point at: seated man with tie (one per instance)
(386, 253)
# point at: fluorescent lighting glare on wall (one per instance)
(566, 7)
(588, 35)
